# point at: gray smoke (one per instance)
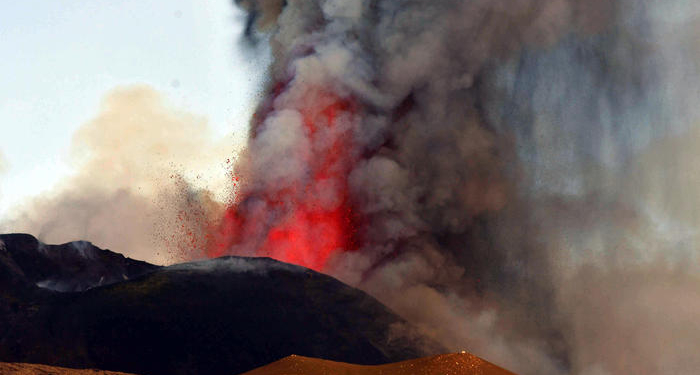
(527, 169)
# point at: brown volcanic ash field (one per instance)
(447, 364)
(32, 369)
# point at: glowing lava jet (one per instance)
(308, 219)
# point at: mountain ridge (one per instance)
(219, 316)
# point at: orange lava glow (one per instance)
(314, 217)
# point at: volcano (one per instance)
(219, 316)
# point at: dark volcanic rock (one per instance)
(221, 316)
(70, 267)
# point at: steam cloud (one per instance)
(134, 190)
(523, 171)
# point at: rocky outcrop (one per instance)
(70, 267)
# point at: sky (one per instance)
(59, 59)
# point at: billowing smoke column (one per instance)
(298, 208)
(335, 146)
(477, 166)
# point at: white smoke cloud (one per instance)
(144, 185)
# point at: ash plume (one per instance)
(511, 176)
(134, 189)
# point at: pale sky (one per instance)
(59, 58)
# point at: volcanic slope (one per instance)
(453, 364)
(70, 267)
(31, 369)
(219, 316)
